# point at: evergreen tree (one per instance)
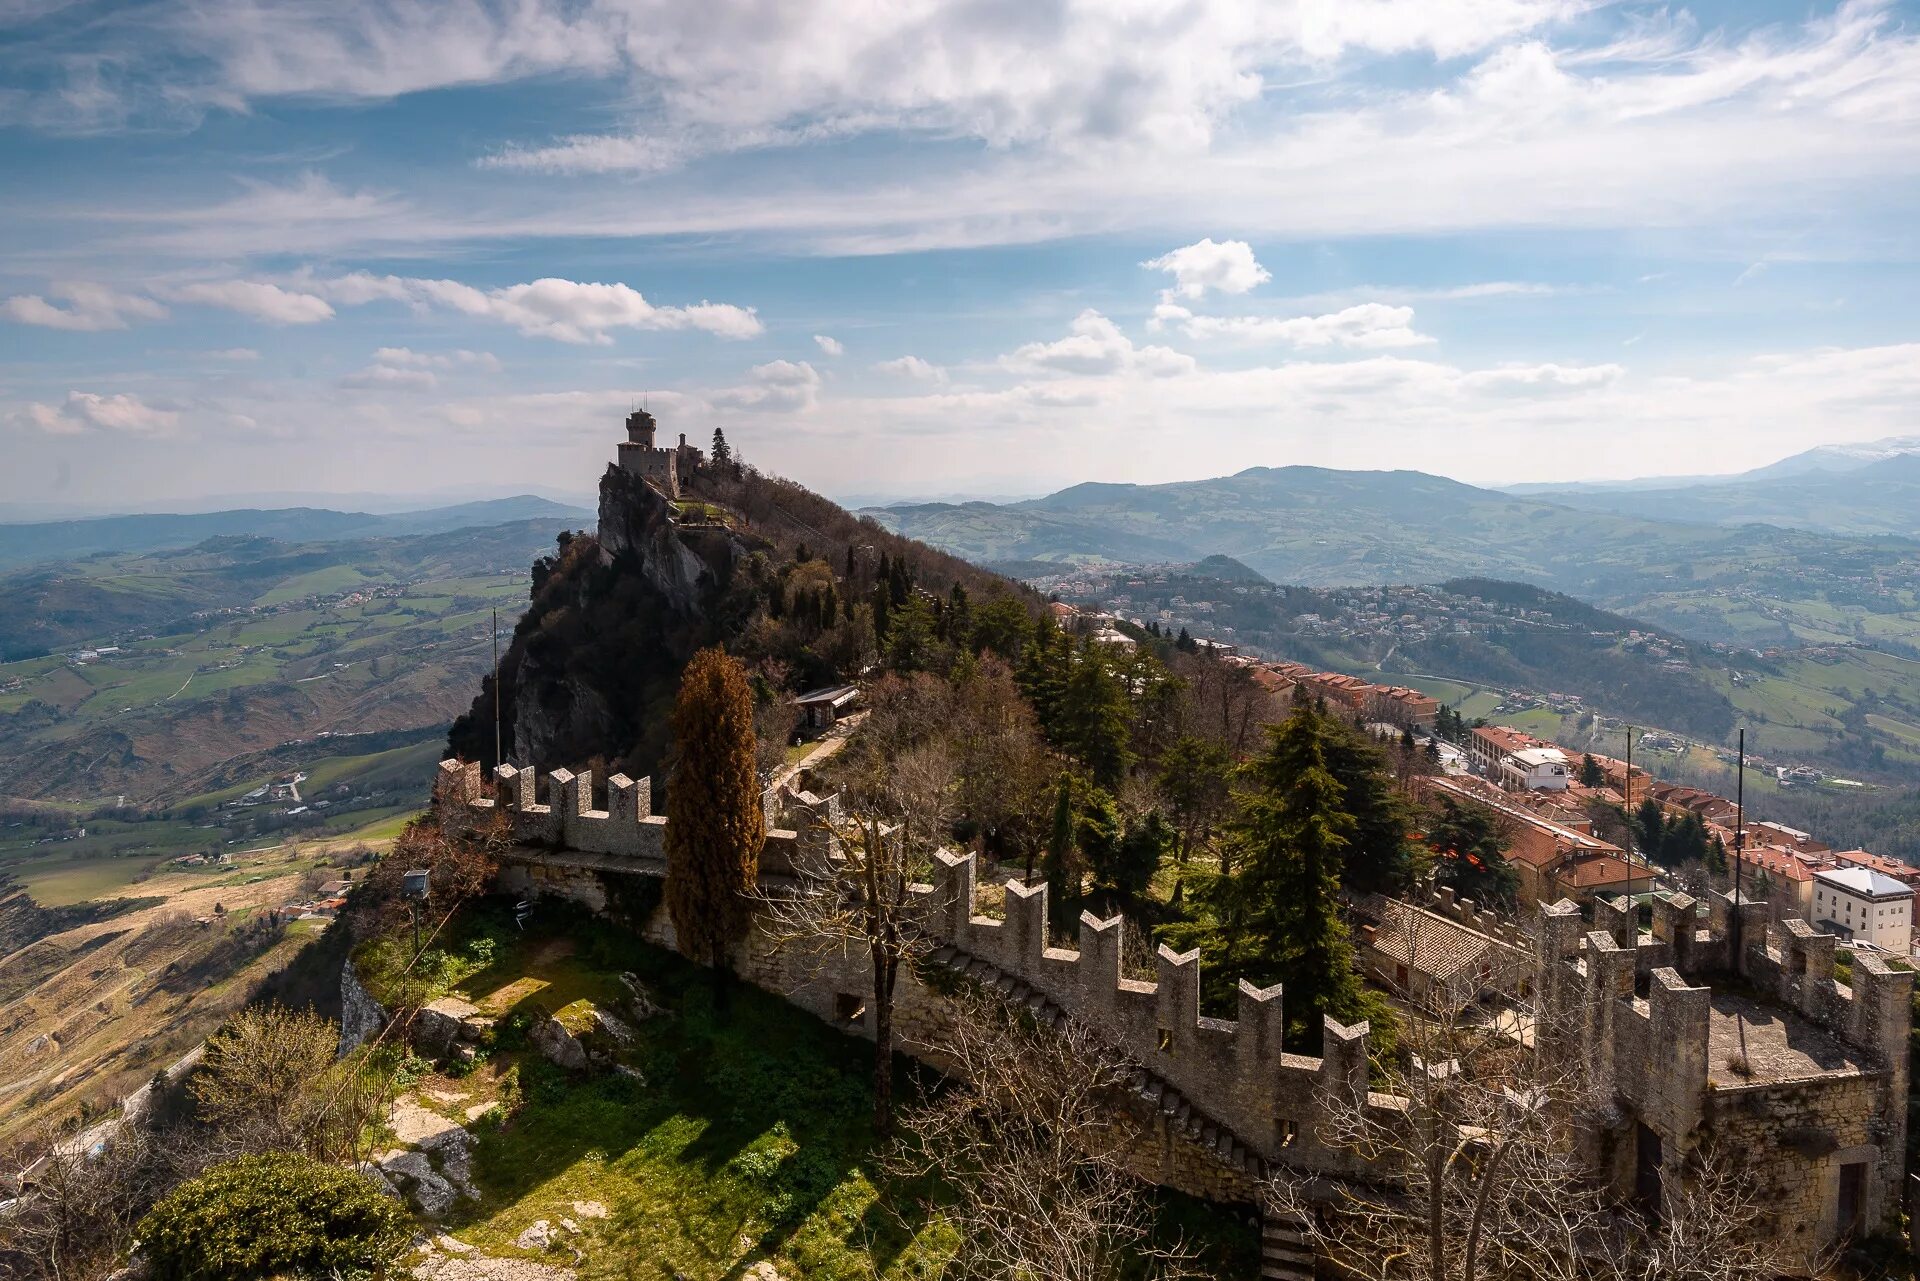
(1380, 859)
(1001, 626)
(1043, 674)
(1717, 857)
(1650, 830)
(715, 823)
(1097, 834)
(1276, 918)
(1185, 642)
(1591, 775)
(1686, 841)
(1094, 723)
(1057, 864)
(849, 574)
(912, 642)
(1470, 854)
(1138, 857)
(1194, 778)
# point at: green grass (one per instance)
(58, 880)
(749, 1140)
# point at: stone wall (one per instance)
(1636, 1009)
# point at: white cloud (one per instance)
(1095, 345)
(718, 70)
(89, 308)
(567, 310)
(85, 411)
(238, 354)
(913, 367)
(391, 378)
(831, 346)
(406, 358)
(255, 298)
(1368, 325)
(1228, 268)
(779, 386)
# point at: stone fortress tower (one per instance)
(657, 465)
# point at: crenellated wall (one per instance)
(1635, 1009)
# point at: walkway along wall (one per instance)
(1226, 1099)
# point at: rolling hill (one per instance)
(1754, 585)
(1880, 497)
(64, 540)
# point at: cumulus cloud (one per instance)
(1095, 345)
(775, 387)
(831, 346)
(403, 369)
(255, 298)
(88, 308)
(85, 411)
(1368, 325)
(566, 310)
(913, 367)
(1228, 268)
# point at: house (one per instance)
(1536, 769)
(1429, 959)
(821, 709)
(1861, 904)
(1399, 705)
(1553, 860)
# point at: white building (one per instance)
(1537, 769)
(1864, 905)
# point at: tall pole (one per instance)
(1739, 842)
(1627, 793)
(497, 758)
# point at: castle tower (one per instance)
(640, 428)
(658, 466)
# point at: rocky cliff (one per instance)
(593, 664)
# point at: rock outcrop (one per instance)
(361, 1017)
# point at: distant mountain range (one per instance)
(1828, 489)
(1320, 527)
(28, 544)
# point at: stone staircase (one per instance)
(1285, 1254)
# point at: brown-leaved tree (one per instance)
(715, 824)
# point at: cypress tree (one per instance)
(715, 824)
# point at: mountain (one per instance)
(1821, 460)
(28, 544)
(1863, 498)
(1754, 585)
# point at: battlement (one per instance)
(1637, 1010)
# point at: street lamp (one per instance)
(413, 886)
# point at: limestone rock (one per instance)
(360, 1015)
(446, 1022)
(590, 1209)
(762, 1271)
(640, 1002)
(612, 1028)
(539, 1236)
(551, 1038)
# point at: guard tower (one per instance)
(640, 456)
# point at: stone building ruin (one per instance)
(1803, 1075)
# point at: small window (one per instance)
(1165, 1040)
(848, 1007)
(1285, 1132)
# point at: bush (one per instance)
(275, 1213)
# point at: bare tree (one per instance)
(851, 890)
(1481, 1174)
(76, 1217)
(270, 1083)
(1033, 1142)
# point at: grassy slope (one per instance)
(750, 1139)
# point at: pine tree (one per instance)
(1591, 775)
(1138, 856)
(1057, 865)
(722, 452)
(1276, 918)
(715, 823)
(1470, 852)
(1379, 858)
(1650, 829)
(1094, 722)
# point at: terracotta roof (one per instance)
(1426, 942)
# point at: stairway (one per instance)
(1285, 1254)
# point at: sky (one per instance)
(945, 247)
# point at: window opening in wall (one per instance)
(1646, 1171)
(848, 1007)
(1286, 1132)
(1166, 1039)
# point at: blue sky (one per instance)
(930, 247)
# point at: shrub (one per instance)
(261, 1215)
